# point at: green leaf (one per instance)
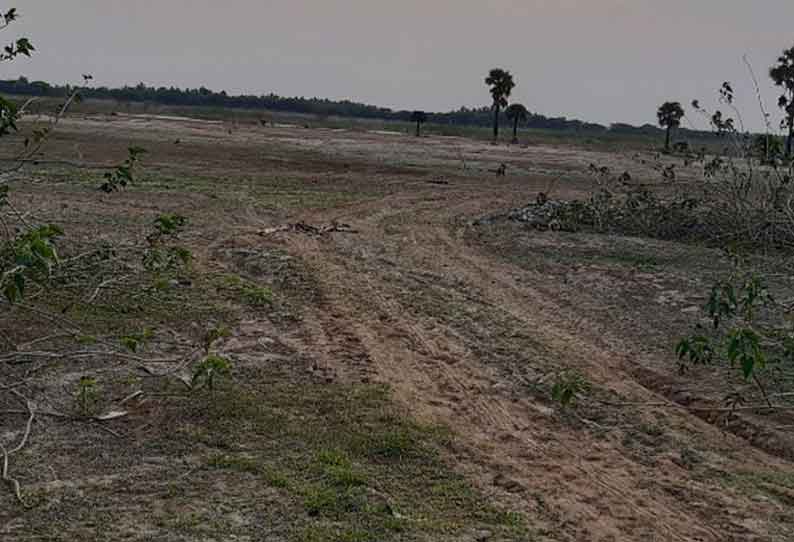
(19, 282)
(130, 343)
(11, 292)
(748, 365)
(683, 348)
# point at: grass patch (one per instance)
(346, 464)
(245, 291)
(776, 485)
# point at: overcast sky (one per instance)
(599, 60)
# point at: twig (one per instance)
(131, 396)
(102, 285)
(758, 94)
(50, 413)
(27, 345)
(14, 357)
(63, 322)
(31, 151)
(763, 390)
(14, 483)
(108, 430)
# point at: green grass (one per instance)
(776, 485)
(347, 465)
(245, 291)
(149, 302)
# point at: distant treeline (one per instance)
(481, 116)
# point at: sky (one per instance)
(596, 60)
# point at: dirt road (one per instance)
(467, 340)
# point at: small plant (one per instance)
(87, 395)
(161, 255)
(248, 292)
(135, 341)
(169, 225)
(257, 296)
(338, 469)
(210, 368)
(569, 385)
(123, 175)
(31, 256)
(212, 335)
(743, 333)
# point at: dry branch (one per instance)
(13, 482)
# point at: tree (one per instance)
(783, 76)
(502, 84)
(419, 117)
(670, 115)
(516, 113)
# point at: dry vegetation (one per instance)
(391, 354)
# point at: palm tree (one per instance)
(517, 113)
(419, 117)
(670, 115)
(502, 84)
(783, 76)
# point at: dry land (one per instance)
(392, 354)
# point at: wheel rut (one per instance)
(574, 483)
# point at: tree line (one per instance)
(500, 83)
(202, 96)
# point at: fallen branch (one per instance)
(302, 227)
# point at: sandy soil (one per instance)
(468, 324)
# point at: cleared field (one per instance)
(392, 357)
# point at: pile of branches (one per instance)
(738, 202)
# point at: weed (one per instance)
(248, 292)
(568, 386)
(333, 502)
(136, 341)
(338, 469)
(87, 395)
(235, 463)
(256, 296)
(210, 368)
(390, 444)
(123, 175)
